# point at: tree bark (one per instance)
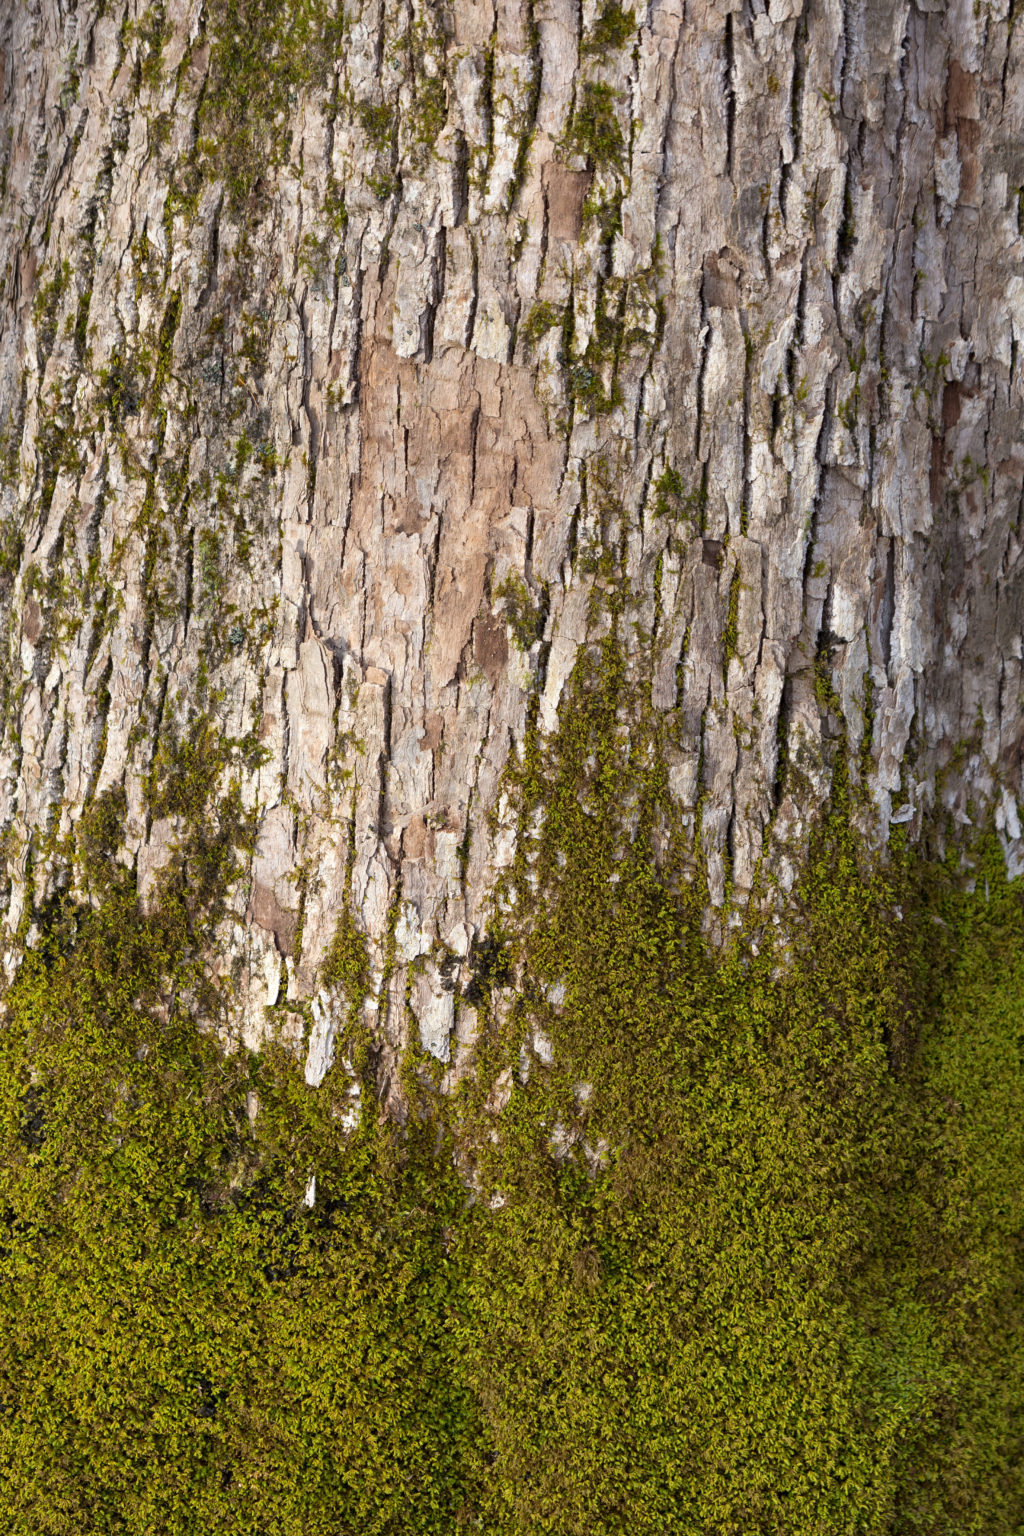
(358, 374)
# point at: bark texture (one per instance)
(348, 364)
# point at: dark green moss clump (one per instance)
(542, 318)
(731, 633)
(673, 500)
(524, 617)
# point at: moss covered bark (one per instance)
(489, 498)
(743, 1253)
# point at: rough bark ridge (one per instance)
(346, 361)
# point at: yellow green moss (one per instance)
(745, 1256)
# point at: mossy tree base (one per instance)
(746, 1253)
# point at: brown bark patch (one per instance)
(968, 135)
(32, 621)
(961, 95)
(267, 912)
(416, 839)
(490, 647)
(565, 192)
(408, 515)
(962, 115)
(951, 402)
(721, 289)
(433, 730)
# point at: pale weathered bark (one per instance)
(748, 321)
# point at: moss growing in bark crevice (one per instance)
(594, 130)
(524, 616)
(730, 1180)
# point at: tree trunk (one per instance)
(359, 375)
(510, 584)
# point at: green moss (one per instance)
(263, 54)
(430, 110)
(528, 120)
(731, 632)
(592, 381)
(673, 500)
(148, 33)
(322, 257)
(12, 545)
(347, 965)
(766, 1277)
(524, 617)
(669, 491)
(594, 130)
(828, 699)
(165, 344)
(119, 390)
(80, 333)
(151, 1378)
(483, 159)
(383, 185)
(208, 547)
(752, 1288)
(865, 758)
(46, 306)
(611, 31)
(378, 124)
(195, 779)
(543, 317)
(57, 449)
(98, 834)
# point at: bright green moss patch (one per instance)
(746, 1256)
(185, 1346)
